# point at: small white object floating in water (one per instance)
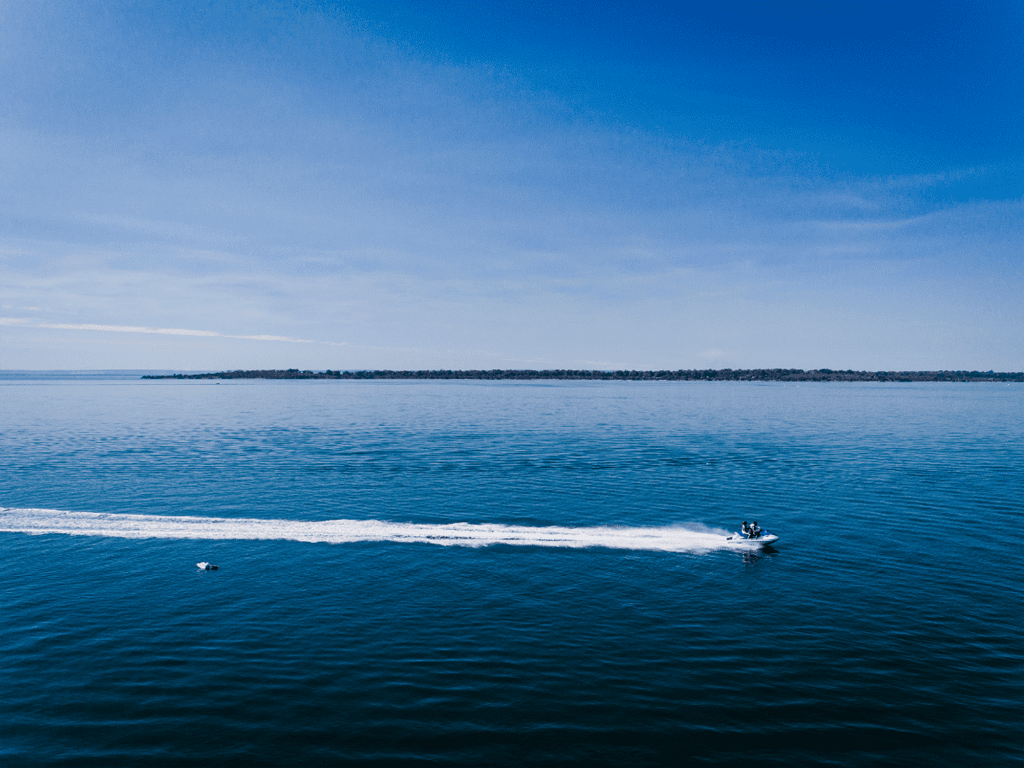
(206, 567)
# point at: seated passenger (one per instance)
(755, 530)
(744, 529)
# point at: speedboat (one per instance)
(206, 567)
(763, 538)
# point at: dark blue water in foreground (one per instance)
(885, 629)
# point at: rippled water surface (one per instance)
(484, 573)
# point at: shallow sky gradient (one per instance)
(205, 186)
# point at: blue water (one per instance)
(883, 629)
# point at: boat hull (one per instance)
(763, 540)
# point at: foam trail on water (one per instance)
(668, 539)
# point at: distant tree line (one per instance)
(724, 374)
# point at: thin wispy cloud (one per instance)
(163, 331)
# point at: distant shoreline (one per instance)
(725, 374)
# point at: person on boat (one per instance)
(744, 529)
(755, 530)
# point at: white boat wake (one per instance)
(667, 539)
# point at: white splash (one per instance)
(667, 539)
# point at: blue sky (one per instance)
(543, 185)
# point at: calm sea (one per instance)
(496, 573)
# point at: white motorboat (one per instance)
(761, 539)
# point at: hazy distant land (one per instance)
(725, 374)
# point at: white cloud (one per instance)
(164, 331)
